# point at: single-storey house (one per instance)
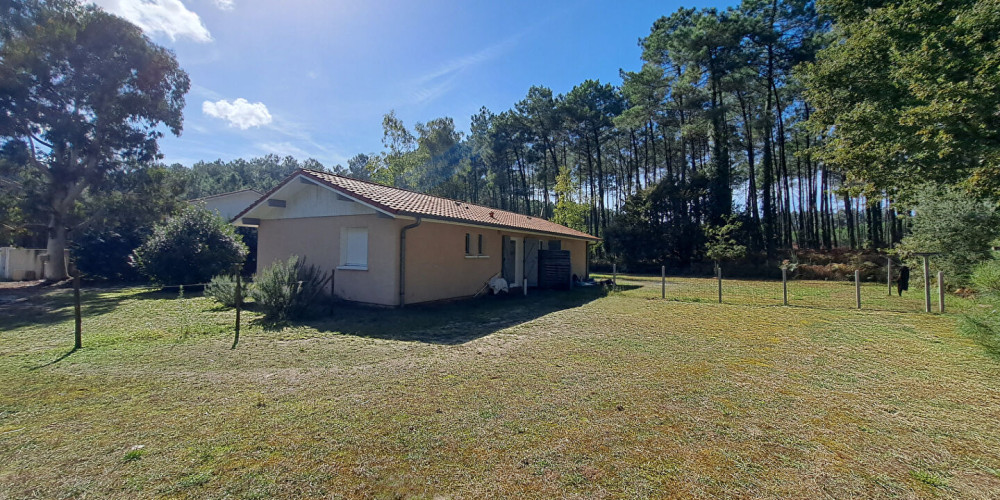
(392, 246)
(227, 205)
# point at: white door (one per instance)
(518, 260)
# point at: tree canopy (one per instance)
(84, 93)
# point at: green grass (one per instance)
(575, 394)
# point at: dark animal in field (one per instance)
(903, 283)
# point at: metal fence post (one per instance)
(718, 276)
(857, 287)
(525, 287)
(663, 282)
(941, 291)
(614, 276)
(784, 285)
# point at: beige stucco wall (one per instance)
(318, 239)
(577, 256)
(437, 267)
(436, 264)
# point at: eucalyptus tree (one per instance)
(85, 93)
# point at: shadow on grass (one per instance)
(50, 309)
(54, 361)
(450, 323)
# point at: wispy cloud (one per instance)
(284, 148)
(436, 83)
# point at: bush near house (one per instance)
(288, 289)
(190, 248)
(222, 289)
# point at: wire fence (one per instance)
(794, 292)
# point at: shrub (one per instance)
(961, 229)
(105, 255)
(190, 247)
(983, 324)
(986, 278)
(222, 289)
(289, 289)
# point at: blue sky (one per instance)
(313, 78)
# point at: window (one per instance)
(480, 245)
(555, 244)
(354, 248)
(468, 245)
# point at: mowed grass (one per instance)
(578, 394)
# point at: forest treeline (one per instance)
(794, 124)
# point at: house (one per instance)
(228, 205)
(391, 246)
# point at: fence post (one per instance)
(927, 284)
(784, 285)
(663, 282)
(941, 291)
(888, 274)
(524, 285)
(239, 305)
(857, 287)
(614, 275)
(718, 276)
(78, 332)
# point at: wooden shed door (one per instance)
(531, 247)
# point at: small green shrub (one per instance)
(222, 289)
(190, 248)
(289, 289)
(986, 278)
(983, 324)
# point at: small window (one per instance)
(555, 244)
(468, 244)
(354, 247)
(480, 244)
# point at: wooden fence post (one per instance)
(614, 276)
(78, 333)
(857, 287)
(239, 305)
(718, 276)
(941, 291)
(663, 282)
(888, 274)
(784, 285)
(525, 287)
(927, 284)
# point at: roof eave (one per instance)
(468, 222)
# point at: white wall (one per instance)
(230, 204)
(16, 264)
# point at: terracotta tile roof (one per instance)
(404, 202)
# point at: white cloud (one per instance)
(239, 113)
(225, 4)
(169, 17)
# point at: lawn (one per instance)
(578, 394)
